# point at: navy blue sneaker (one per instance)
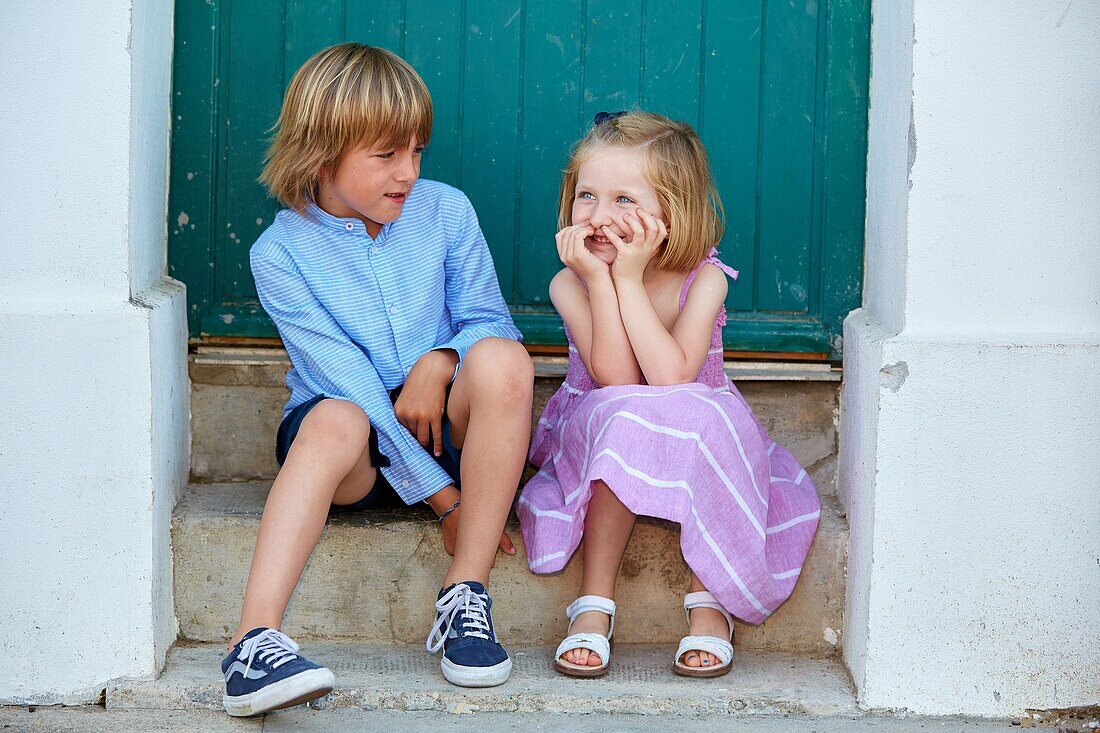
(472, 656)
(264, 673)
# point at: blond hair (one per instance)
(343, 97)
(677, 168)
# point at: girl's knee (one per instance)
(337, 424)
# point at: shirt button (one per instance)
(405, 484)
(374, 250)
(393, 310)
(348, 225)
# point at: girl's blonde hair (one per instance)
(677, 168)
(343, 97)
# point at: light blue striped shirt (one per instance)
(356, 313)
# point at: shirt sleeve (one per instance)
(325, 356)
(473, 294)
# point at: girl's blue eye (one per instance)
(584, 195)
(418, 150)
(386, 155)
(623, 200)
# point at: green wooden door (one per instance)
(776, 88)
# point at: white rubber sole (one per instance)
(476, 676)
(300, 688)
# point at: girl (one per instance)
(646, 421)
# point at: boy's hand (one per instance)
(420, 405)
(574, 255)
(450, 535)
(647, 235)
(443, 500)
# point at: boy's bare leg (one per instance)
(490, 415)
(608, 526)
(704, 622)
(328, 463)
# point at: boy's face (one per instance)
(371, 184)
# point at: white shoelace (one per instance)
(273, 647)
(473, 609)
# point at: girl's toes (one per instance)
(582, 656)
(706, 660)
(593, 660)
(691, 659)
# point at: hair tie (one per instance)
(605, 116)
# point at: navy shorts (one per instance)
(382, 495)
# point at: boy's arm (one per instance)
(473, 294)
(323, 352)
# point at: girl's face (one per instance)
(610, 185)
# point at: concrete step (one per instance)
(405, 678)
(237, 396)
(374, 578)
(94, 719)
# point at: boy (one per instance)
(405, 362)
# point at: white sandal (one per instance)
(593, 642)
(721, 648)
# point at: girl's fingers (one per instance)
(616, 241)
(636, 227)
(615, 238)
(654, 227)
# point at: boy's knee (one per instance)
(338, 423)
(505, 363)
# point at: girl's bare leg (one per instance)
(327, 463)
(608, 525)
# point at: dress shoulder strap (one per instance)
(710, 259)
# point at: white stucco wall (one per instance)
(92, 348)
(972, 397)
(65, 93)
(1005, 206)
(889, 146)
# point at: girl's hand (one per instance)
(575, 255)
(648, 233)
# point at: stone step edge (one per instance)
(198, 499)
(273, 363)
(405, 678)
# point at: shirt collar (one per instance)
(349, 224)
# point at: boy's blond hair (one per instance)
(677, 168)
(343, 97)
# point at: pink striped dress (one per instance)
(693, 454)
